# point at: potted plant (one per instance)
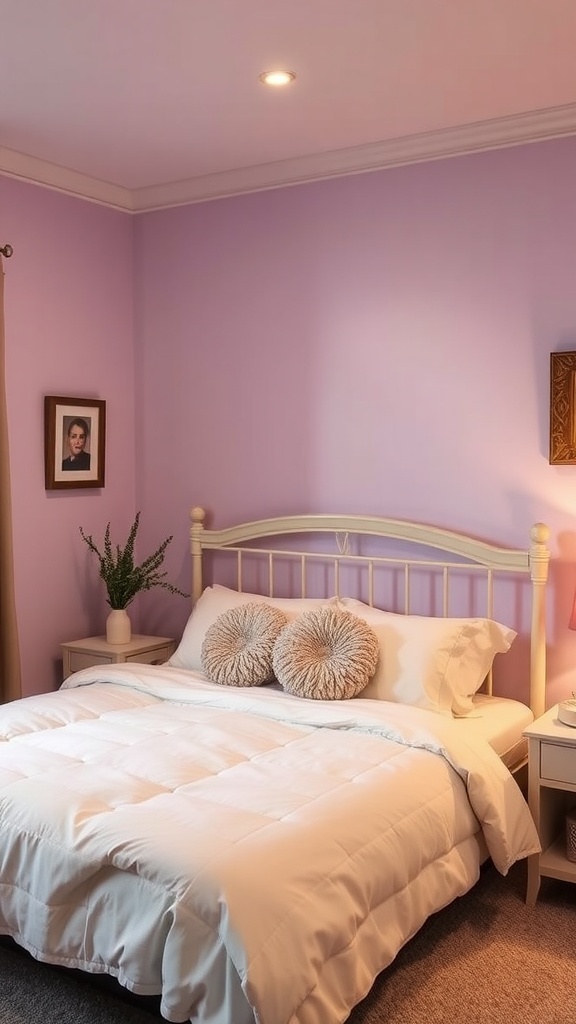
(124, 579)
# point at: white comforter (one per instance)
(249, 855)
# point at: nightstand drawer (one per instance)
(558, 763)
(79, 660)
(156, 657)
(95, 650)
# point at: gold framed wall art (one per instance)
(563, 408)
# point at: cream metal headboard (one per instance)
(484, 558)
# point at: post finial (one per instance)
(198, 515)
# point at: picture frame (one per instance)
(74, 442)
(563, 408)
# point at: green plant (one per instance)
(122, 577)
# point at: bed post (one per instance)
(539, 558)
(197, 516)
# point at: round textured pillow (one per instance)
(328, 654)
(237, 647)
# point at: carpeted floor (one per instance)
(486, 959)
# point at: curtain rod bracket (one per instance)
(6, 250)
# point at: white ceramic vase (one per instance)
(118, 627)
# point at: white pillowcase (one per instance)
(216, 600)
(433, 663)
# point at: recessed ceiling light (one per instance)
(277, 77)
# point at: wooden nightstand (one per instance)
(551, 793)
(94, 650)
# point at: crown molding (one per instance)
(62, 179)
(497, 133)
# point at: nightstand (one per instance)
(551, 793)
(94, 650)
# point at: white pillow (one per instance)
(434, 663)
(216, 600)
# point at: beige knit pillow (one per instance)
(328, 654)
(237, 647)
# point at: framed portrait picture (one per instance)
(563, 408)
(74, 442)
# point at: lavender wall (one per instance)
(69, 331)
(377, 344)
(371, 344)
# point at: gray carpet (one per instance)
(486, 959)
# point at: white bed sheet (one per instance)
(500, 721)
(249, 855)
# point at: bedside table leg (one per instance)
(533, 885)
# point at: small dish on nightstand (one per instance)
(567, 712)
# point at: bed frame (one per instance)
(424, 548)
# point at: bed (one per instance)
(253, 830)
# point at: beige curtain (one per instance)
(10, 687)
